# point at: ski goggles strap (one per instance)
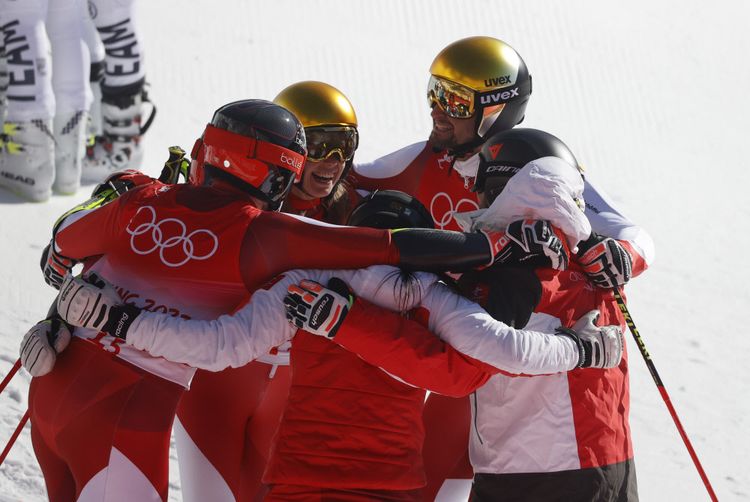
(236, 145)
(456, 100)
(323, 142)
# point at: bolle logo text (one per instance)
(494, 81)
(499, 96)
(290, 161)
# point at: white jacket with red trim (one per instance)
(555, 422)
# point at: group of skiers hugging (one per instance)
(310, 328)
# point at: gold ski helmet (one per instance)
(482, 78)
(327, 116)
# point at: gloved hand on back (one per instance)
(317, 309)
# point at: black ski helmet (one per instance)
(505, 153)
(256, 145)
(390, 209)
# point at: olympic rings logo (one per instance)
(444, 204)
(178, 236)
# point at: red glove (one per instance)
(605, 261)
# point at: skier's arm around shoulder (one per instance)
(231, 340)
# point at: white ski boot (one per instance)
(27, 159)
(120, 145)
(70, 147)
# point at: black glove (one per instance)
(532, 243)
(605, 261)
(55, 266)
(316, 309)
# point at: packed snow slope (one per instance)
(650, 96)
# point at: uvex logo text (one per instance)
(499, 97)
(502, 80)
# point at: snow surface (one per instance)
(651, 97)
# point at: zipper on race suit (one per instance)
(476, 414)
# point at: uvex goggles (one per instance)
(324, 141)
(456, 100)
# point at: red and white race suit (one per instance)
(186, 251)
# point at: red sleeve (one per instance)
(277, 242)
(408, 350)
(89, 232)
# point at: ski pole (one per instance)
(662, 390)
(11, 373)
(13, 438)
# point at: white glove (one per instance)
(598, 346)
(92, 302)
(41, 344)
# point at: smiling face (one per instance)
(319, 178)
(448, 132)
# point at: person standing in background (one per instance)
(48, 97)
(123, 91)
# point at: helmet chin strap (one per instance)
(461, 150)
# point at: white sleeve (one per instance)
(472, 331)
(229, 341)
(389, 165)
(388, 286)
(236, 339)
(607, 220)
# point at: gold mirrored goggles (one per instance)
(456, 100)
(323, 142)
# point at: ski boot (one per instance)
(27, 159)
(119, 147)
